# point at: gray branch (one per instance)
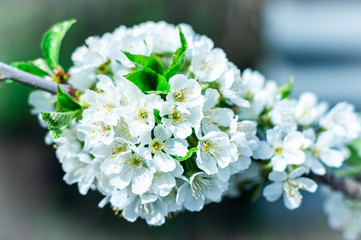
(17, 75)
(349, 187)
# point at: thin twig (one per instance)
(349, 187)
(17, 75)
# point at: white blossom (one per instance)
(179, 120)
(324, 149)
(342, 121)
(185, 92)
(288, 185)
(209, 66)
(343, 214)
(162, 146)
(215, 151)
(200, 187)
(284, 150)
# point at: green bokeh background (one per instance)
(34, 201)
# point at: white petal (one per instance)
(273, 191)
(177, 82)
(293, 140)
(208, 165)
(224, 174)
(264, 151)
(177, 147)
(277, 176)
(317, 167)
(332, 158)
(307, 183)
(163, 162)
(294, 156)
(211, 98)
(279, 164)
(193, 203)
(182, 191)
(214, 194)
(182, 131)
(162, 133)
(243, 163)
(129, 212)
(142, 180)
(291, 202)
(274, 135)
(121, 180)
(223, 116)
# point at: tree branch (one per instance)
(349, 187)
(17, 75)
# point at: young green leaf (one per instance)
(30, 68)
(189, 154)
(59, 121)
(148, 80)
(43, 65)
(157, 117)
(144, 81)
(256, 193)
(286, 89)
(52, 40)
(354, 147)
(142, 61)
(65, 103)
(177, 58)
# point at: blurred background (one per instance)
(318, 41)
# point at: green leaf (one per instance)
(286, 89)
(177, 58)
(148, 80)
(52, 40)
(354, 158)
(256, 193)
(59, 121)
(189, 154)
(67, 109)
(43, 65)
(142, 61)
(30, 68)
(144, 81)
(65, 103)
(157, 117)
(156, 65)
(6, 82)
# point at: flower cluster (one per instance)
(164, 122)
(343, 213)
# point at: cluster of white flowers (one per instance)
(136, 147)
(343, 213)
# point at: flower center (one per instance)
(105, 68)
(118, 149)
(200, 185)
(292, 189)
(181, 96)
(175, 116)
(208, 145)
(142, 115)
(316, 152)
(279, 150)
(210, 150)
(136, 161)
(157, 145)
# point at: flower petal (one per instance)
(273, 191)
(163, 162)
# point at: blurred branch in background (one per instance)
(350, 187)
